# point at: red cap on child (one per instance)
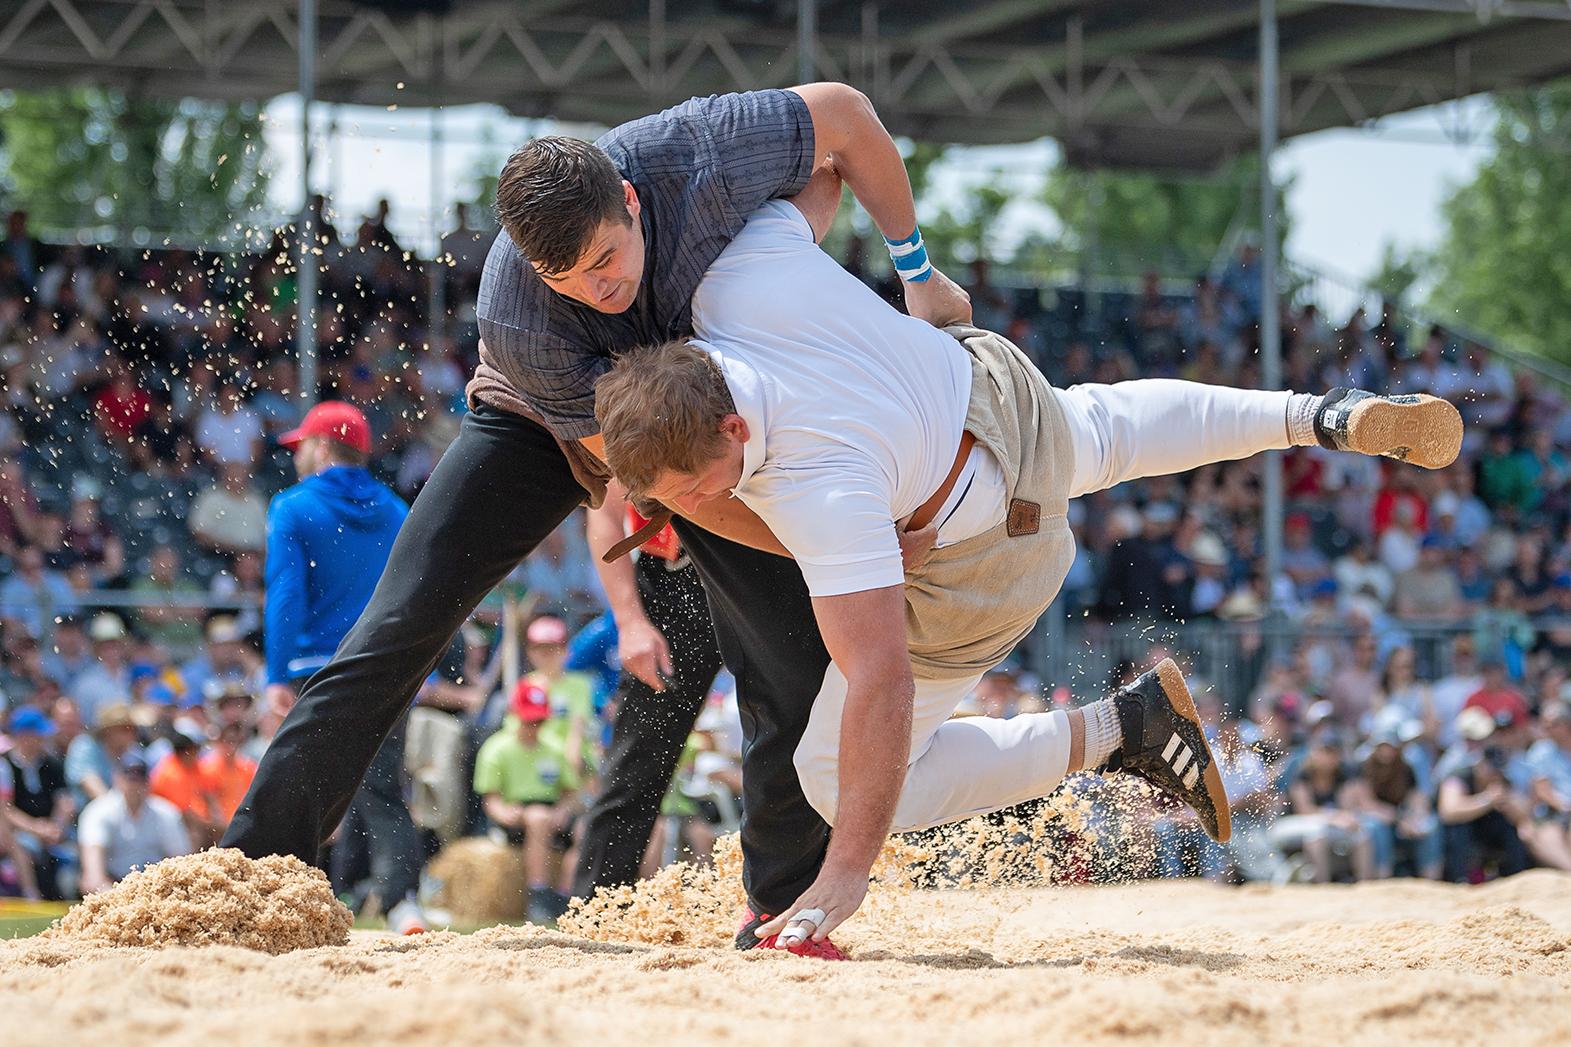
(529, 702)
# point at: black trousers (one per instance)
(1492, 835)
(651, 727)
(378, 847)
(498, 491)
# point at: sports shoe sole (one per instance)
(1418, 428)
(1177, 691)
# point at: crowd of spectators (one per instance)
(160, 768)
(143, 399)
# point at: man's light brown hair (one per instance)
(660, 411)
(552, 195)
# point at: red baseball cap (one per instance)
(529, 702)
(335, 420)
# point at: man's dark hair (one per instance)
(553, 194)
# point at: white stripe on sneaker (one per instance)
(1192, 777)
(1182, 761)
(1172, 747)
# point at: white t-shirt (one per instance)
(155, 833)
(854, 409)
(235, 521)
(230, 438)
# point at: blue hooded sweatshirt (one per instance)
(328, 538)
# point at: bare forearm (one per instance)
(1384, 811)
(507, 815)
(95, 868)
(27, 823)
(875, 743)
(820, 200)
(865, 634)
(1457, 807)
(604, 528)
(621, 588)
(877, 178)
(22, 862)
(455, 698)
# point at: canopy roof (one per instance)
(1149, 83)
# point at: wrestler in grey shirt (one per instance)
(700, 169)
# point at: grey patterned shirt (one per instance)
(700, 169)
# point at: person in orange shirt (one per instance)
(228, 773)
(181, 779)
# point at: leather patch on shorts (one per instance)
(1024, 518)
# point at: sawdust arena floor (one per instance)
(1164, 962)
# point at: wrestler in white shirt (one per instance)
(839, 416)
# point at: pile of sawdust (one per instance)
(701, 905)
(1051, 842)
(682, 904)
(480, 882)
(220, 897)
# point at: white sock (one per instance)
(1301, 411)
(1103, 733)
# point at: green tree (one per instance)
(967, 234)
(1136, 221)
(1398, 271)
(133, 167)
(1504, 266)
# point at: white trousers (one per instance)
(963, 767)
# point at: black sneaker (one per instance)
(1415, 428)
(1165, 743)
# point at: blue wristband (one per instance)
(910, 257)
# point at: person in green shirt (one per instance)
(1505, 482)
(570, 694)
(528, 788)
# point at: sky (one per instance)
(1353, 190)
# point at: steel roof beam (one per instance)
(1483, 10)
